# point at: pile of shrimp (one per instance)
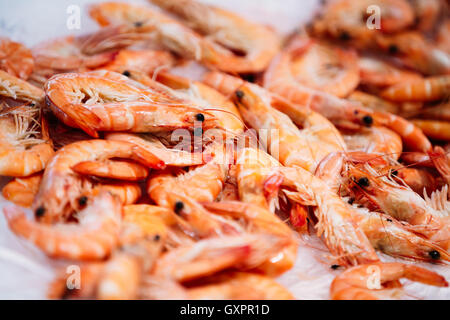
(162, 187)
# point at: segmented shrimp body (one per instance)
(61, 186)
(414, 51)
(346, 20)
(253, 171)
(96, 103)
(354, 283)
(25, 148)
(18, 89)
(93, 237)
(343, 113)
(374, 140)
(240, 285)
(15, 59)
(295, 147)
(260, 220)
(145, 61)
(427, 89)
(257, 43)
(21, 191)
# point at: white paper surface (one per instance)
(25, 271)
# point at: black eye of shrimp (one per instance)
(156, 238)
(239, 94)
(435, 255)
(367, 120)
(82, 201)
(335, 266)
(179, 205)
(200, 117)
(393, 49)
(126, 73)
(344, 36)
(138, 24)
(363, 182)
(39, 212)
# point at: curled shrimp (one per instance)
(346, 20)
(414, 51)
(24, 142)
(95, 103)
(145, 61)
(15, 59)
(374, 140)
(171, 157)
(427, 89)
(384, 232)
(93, 237)
(18, 89)
(262, 111)
(112, 169)
(61, 187)
(257, 44)
(240, 285)
(354, 283)
(21, 191)
(260, 220)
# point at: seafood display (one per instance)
(157, 185)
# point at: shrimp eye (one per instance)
(363, 182)
(239, 94)
(138, 24)
(335, 266)
(179, 205)
(394, 173)
(435, 255)
(393, 49)
(156, 238)
(367, 120)
(126, 73)
(344, 36)
(351, 200)
(39, 212)
(389, 220)
(82, 201)
(200, 117)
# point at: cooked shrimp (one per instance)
(323, 67)
(427, 89)
(434, 129)
(378, 73)
(240, 286)
(256, 43)
(253, 171)
(414, 51)
(145, 61)
(96, 103)
(355, 283)
(347, 20)
(418, 179)
(212, 50)
(171, 157)
(427, 13)
(260, 220)
(384, 233)
(21, 191)
(378, 104)
(209, 256)
(211, 100)
(61, 187)
(93, 237)
(304, 147)
(342, 113)
(15, 58)
(112, 169)
(18, 89)
(25, 148)
(203, 183)
(374, 140)
(128, 193)
(337, 225)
